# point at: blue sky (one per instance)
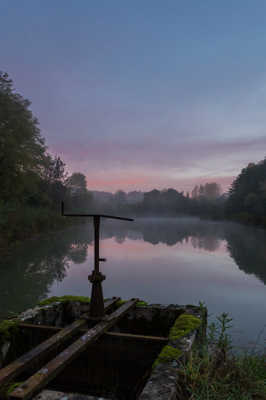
(143, 94)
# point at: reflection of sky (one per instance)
(180, 274)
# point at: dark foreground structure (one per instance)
(58, 351)
(81, 348)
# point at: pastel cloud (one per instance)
(119, 165)
(137, 97)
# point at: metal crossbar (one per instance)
(96, 278)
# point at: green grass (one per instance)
(214, 372)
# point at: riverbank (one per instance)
(217, 372)
(211, 369)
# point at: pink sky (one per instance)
(139, 97)
(146, 183)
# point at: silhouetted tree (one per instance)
(247, 195)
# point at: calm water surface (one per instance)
(178, 261)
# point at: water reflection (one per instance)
(162, 260)
(247, 247)
(27, 274)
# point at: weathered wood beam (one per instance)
(137, 337)
(110, 303)
(22, 363)
(37, 381)
(82, 330)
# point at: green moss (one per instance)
(8, 328)
(81, 299)
(120, 302)
(8, 389)
(64, 299)
(167, 354)
(183, 325)
(141, 303)
(12, 387)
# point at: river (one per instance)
(168, 261)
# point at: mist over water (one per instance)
(160, 260)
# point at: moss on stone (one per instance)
(167, 354)
(120, 302)
(81, 299)
(183, 325)
(64, 299)
(12, 387)
(8, 328)
(141, 303)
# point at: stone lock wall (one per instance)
(188, 324)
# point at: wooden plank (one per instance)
(34, 327)
(137, 337)
(82, 330)
(37, 381)
(110, 303)
(22, 363)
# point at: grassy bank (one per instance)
(215, 372)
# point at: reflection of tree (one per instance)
(78, 253)
(170, 231)
(28, 273)
(209, 243)
(247, 247)
(120, 238)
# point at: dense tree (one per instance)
(33, 182)
(120, 197)
(247, 195)
(210, 191)
(78, 196)
(22, 148)
(77, 181)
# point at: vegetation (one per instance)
(245, 201)
(64, 299)
(7, 329)
(214, 372)
(33, 182)
(247, 196)
(168, 353)
(8, 389)
(183, 325)
(81, 299)
(206, 201)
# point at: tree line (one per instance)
(34, 182)
(247, 196)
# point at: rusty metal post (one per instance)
(96, 278)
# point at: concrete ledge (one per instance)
(54, 395)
